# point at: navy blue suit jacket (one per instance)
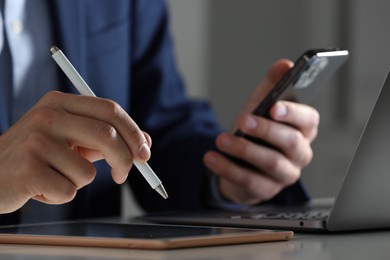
(123, 50)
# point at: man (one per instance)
(124, 51)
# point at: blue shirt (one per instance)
(25, 39)
(26, 25)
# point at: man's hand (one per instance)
(47, 155)
(293, 128)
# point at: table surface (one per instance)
(360, 245)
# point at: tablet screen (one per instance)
(116, 230)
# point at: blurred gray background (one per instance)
(224, 47)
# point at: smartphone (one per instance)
(135, 236)
(300, 83)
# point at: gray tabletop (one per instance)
(361, 245)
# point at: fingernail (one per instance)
(210, 159)
(226, 141)
(281, 110)
(250, 123)
(144, 152)
(123, 179)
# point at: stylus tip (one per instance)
(160, 189)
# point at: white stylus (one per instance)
(84, 89)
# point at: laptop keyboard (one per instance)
(307, 215)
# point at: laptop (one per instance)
(363, 201)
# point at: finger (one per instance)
(90, 134)
(50, 186)
(279, 69)
(285, 138)
(274, 74)
(99, 136)
(66, 161)
(53, 187)
(148, 139)
(107, 111)
(271, 162)
(302, 117)
(246, 186)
